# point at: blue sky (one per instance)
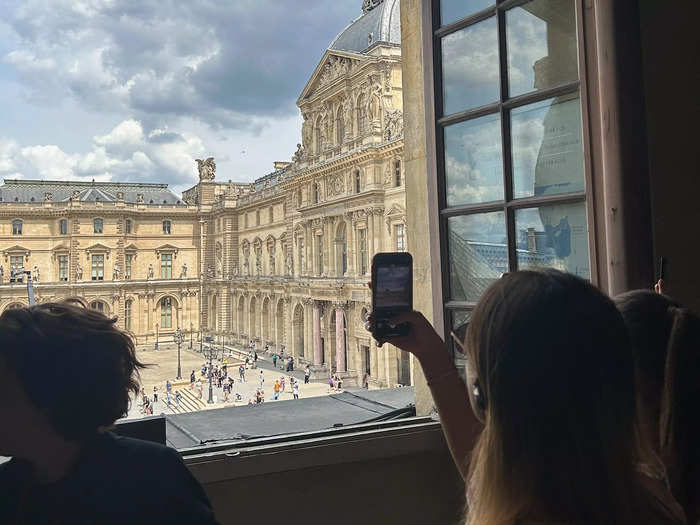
(137, 89)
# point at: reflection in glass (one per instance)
(547, 150)
(473, 161)
(554, 236)
(453, 10)
(470, 67)
(542, 52)
(458, 319)
(477, 253)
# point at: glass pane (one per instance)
(554, 236)
(473, 161)
(542, 52)
(458, 318)
(453, 10)
(547, 149)
(477, 253)
(470, 67)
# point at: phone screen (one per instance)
(393, 283)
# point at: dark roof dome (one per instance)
(379, 23)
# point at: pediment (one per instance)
(17, 249)
(396, 209)
(167, 248)
(332, 66)
(61, 248)
(98, 247)
(131, 248)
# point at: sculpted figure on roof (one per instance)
(207, 168)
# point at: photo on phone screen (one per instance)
(393, 284)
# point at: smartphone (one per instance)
(392, 291)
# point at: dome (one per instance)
(380, 23)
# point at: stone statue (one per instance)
(235, 270)
(139, 198)
(115, 273)
(306, 132)
(207, 168)
(299, 154)
(48, 196)
(150, 272)
(368, 5)
(288, 263)
(210, 272)
(374, 103)
(246, 267)
(347, 117)
(78, 272)
(2, 272)
(75, 195)
(394, 124)
(183, 272)
(35, 274)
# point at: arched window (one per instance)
(361, 114)
(166, 227)
(17, 227)
(339, 127)
(397, 173)
(97, 305)
(63, 226)
(127, 314)
(166, 312)
(362, 234)
(97, 225)
(357, 181)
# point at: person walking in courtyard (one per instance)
(255, 359)
(178, 397)
(274, 359)
(241, 373)
(168, 386)
(282, 383)
(276, 390)
(295, 388)
(307, 374)
(167, 398)
(155, 394)
(192, 380)
(262, 380)
(331, 384)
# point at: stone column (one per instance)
(370, 238)
(350, 232)
(318, 358)
(340, 364)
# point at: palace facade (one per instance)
(283, 261)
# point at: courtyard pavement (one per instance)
(162, 366)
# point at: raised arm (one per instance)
(460, 425)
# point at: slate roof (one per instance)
(383, 22)
(14, 190)
(284, 417)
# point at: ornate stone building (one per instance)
(284, 260)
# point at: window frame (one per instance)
(95, 222)
(63, 227)
(166, 265)
(401, 226)
(128, 226)
(436, 123)
(94, 276)
(128, 263)
(166, 314)
(15, 229)
(398, 179)
(167, 227)
(63, 276)
(128, 304)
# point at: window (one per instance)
(397, 173)
(16, 264)
(509, 145)
(62, 267)
(127, 263)
(127, 314)
(400, 238)
(63, 227)
(98, 267)
(17, 227)
(127, 226)
(339, 127)
(97, 305)
(257, 217)
(319, 253)
(357, 181)
(298, 198)
(302, 256)
(166, 265)
(271, 215)
(362, 240)
(317, 194)
(166, 312)
(97, 225)
(166, 227)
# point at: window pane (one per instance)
(542, 51)
(477, 253)
(470, 67)
(458, 318)
(547, 151)
(453, 10)
(473, 161)
(554, 236)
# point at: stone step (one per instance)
(188, 403)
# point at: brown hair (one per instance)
(91, 363)
(666, 343)
(556, 375)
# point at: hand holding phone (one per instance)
(392, 291)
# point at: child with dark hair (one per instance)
(66, 466)
(666, 344)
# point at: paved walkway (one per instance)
(163, 367)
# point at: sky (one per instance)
(135, 90)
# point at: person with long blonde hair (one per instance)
(550, 376)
